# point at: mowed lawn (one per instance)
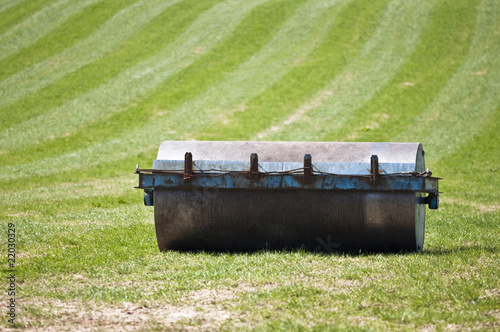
(90, 88)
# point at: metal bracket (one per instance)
(432, 200)
(188, 166)
(254, 164)
(307, 168)
(149, 197)
(374, 172)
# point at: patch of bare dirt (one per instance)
(204, 309)
(209, 296)
(492, 293)
(428, 328)
(75, 315)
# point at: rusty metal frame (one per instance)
(149, 179)
(305, 178)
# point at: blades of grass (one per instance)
(295, 41)
(442, 47)
(111, 34)
(154, 36)
(73, 28)
(136, 139)
(38, 25)
(16, 12)
(469, 100)
(254, 31)
(478, 163)
(136, 81)
(351, 24)
(5, 5)
(376, 64)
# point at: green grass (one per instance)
(89, 89)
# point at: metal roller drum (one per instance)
(320, 196)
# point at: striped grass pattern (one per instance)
(90, 88)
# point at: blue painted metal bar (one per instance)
(150, 179)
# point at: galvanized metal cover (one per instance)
(333, 157)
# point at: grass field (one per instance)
(90, 88)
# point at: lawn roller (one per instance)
(319, 196)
